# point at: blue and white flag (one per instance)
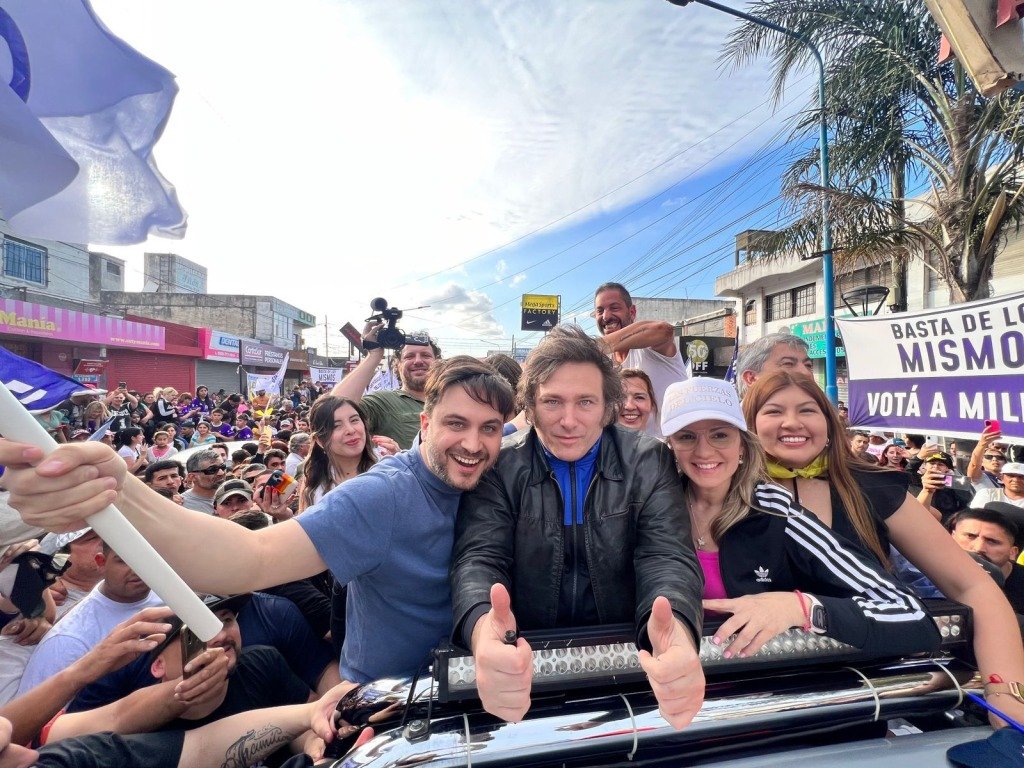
(100, 433)
(80, 113)
(730, 373)
(35, 386)
(271, 383)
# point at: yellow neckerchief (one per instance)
(816, 468)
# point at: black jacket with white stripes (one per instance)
(782, 547)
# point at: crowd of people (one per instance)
(341, 535)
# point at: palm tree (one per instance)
(897, 119)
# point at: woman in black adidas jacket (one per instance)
(766, 561)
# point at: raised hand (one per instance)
(504, 672)
(673, 669)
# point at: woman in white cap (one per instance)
(808, 454)
(766, 561)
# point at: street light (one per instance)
(866, 295)
(828, 275)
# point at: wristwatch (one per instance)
(1014, 690)
(819, 616)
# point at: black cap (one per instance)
(942, 456)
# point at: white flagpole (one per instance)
(18, 424)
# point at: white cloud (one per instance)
(453, 306)
(516, 279)
(363, 146)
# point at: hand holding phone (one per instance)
(191, 646)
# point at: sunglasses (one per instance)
(213, 470)
(993, 457)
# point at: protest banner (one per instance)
(330, 376)
(939, 371)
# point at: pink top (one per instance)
(714, 589)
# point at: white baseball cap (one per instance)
(687, 402)
(1012, 468)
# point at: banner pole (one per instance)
(17, 424)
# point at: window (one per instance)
(750, 313)
(282, 329)
(24, 262)
(804, 301)
(778, 306)
(112, 268)
(792, 303)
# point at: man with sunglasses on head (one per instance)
(206, 470)
(393, 413)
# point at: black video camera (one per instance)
(390, 337)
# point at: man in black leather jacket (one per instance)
(580, 522)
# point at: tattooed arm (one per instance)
(247, 738)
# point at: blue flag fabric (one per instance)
(35, 386)
(78, 122)
(100, 433)
(730, 374)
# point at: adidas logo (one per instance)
(762, 576)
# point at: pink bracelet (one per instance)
(803, 607)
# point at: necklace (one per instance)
(702, 538)
(701, 541)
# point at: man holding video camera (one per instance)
(396, 413)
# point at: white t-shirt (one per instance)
(984, 483)
(292, 462)
(663, 371)
(128, 453)
(81, 629)
(984, 495)
(14, 657)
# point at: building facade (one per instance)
(786, 293)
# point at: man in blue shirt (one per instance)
(386, 533)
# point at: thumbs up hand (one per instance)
(504, 672)
(673, 669)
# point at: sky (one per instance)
(457, 154)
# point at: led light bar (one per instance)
(565, 659)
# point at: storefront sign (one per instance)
(708, 355)
(21, 318)
(89, 371)
(262, 355)
(939, 371)
(813, 332)
(540, 312)
(217, 345)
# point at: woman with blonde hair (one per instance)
(163, 407)
(766, 561)
(640, 404)
(95, 415)
(804, 439)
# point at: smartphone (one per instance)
(122, 384)
(947, 481)
(191, 646)
(991, 425)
